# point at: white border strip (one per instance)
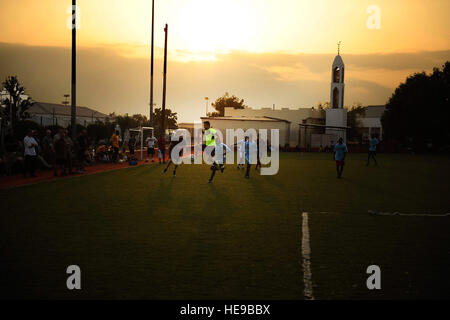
(306, 257)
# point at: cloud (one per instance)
(113, 78)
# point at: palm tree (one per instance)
(16, 103)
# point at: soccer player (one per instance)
(151, 141)
(259, 144)
(171, 146)
(340, 150)
(250, 147)
(241, 154)
(225, 149)
(221, 166)
(210, 146)
(372, 150)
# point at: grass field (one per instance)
(136, 233)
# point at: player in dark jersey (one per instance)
(171, 146)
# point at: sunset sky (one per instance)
(267, 52)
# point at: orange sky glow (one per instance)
(207, 33)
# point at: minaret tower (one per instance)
(336, 115)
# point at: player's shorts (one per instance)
(211, 149)
(340, 162)
(151, 151)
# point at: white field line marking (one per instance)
(375, 213)
(306, 257)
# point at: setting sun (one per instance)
(213, 25)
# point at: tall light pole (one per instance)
(206, 98)
(74, 71)
(151, 66)
(163, 111)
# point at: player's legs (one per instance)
(371, 155)
(167, 167)
(374, 159)
(152, 153)
(241, 160)
(368, 158)
(340, 168)
(247, 172)
(222, 165)
(213, 172)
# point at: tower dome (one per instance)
(337, 83)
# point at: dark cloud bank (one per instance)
(110, 82)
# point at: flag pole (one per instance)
(166, 31)
(74, 71)
(151, 67)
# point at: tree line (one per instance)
(15, 104)
(416, 114)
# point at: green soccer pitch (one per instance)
(139, 234)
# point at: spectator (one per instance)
(30, 145)
(69, 151)
(60, 153)
(11, 148)
(39, 158)
(151, 141)
(132, 145)
(115, 144)
(162, 148)
(82, 145)
(47, 147)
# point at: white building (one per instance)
(294, 116)
(257, 123)
(371, 122)
(47, 114)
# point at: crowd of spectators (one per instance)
(57, 151)
(50, 151)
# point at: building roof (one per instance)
(338, 61)
(186, 125)
(266, 119)
(59, 109)
(374, 111)
(312, 125)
